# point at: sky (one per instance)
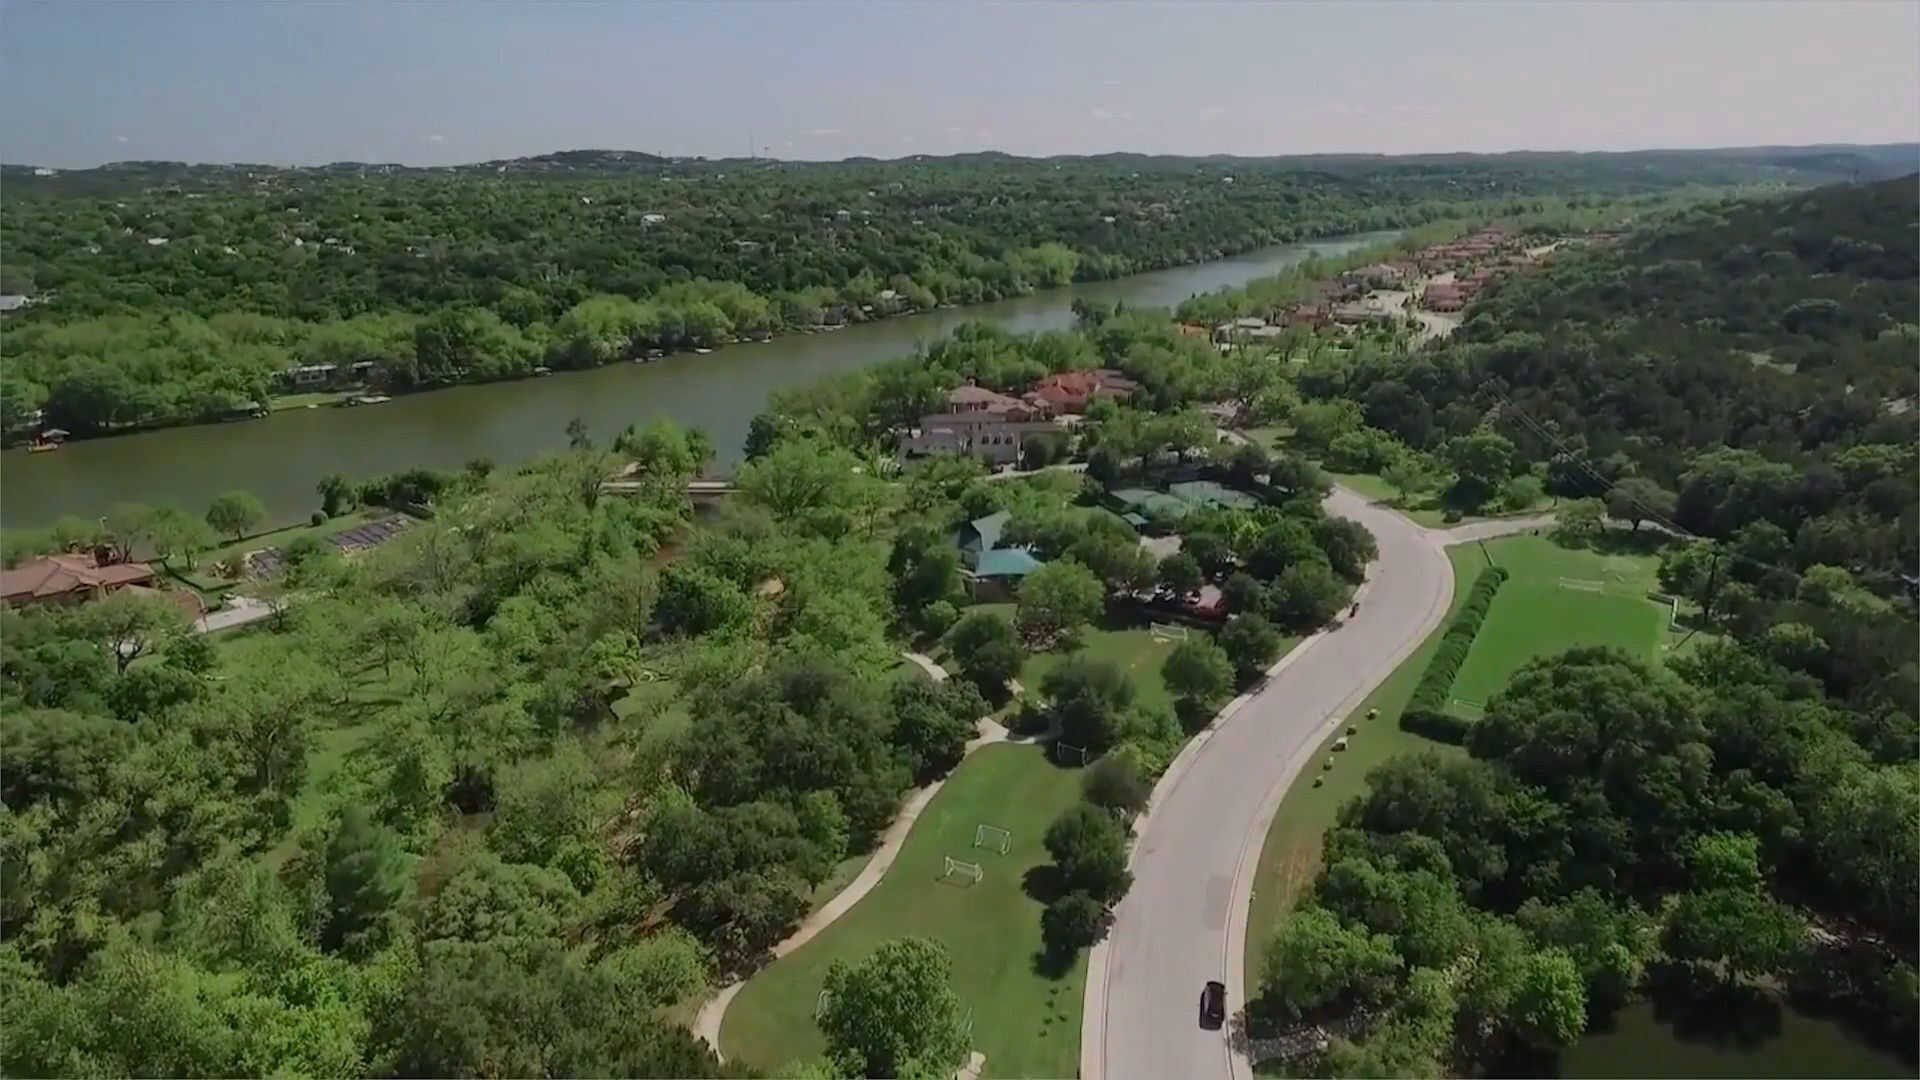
(293, 83)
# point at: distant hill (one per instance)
(1793, 164)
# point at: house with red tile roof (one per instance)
(1070, 391)
(72, 578)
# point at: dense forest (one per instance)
(168, 295)
(1746, 815)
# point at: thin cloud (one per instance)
(1213, 114)
(120, 138)
(434, 138)
(1102, 113)
(823, 131)
(1345, 108)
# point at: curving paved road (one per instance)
(1184, 922)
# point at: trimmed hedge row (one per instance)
(1426, 712)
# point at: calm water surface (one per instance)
(1764, 1040)
(282, 457)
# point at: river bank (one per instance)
(282, 457)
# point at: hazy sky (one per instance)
(437, 83)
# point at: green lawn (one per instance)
(1534, 615)
(282, 402)
(203, 577)
(1131, 646)
(1026, 1023)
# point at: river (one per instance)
(1761, 1038)
(281, 458)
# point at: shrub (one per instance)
(1115, 782)
(1439, 726)
(1072, 923)
(1435, 688)
(317, 518)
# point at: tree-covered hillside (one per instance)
(1739, 820)
(176, 294)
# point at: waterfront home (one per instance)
(309, 376)
(970, 397)
(69, 578)
(1070, 391)
(994, 436)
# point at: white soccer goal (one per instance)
(993, 836)
(820, 1004)
(1469, 707)
(1582, 585)
(1168, 632)
(952, 867)
(1066, 751)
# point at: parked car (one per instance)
(1213, 1005)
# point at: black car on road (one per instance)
(1213, 1005)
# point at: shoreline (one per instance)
(668, 354)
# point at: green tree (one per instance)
(1550, 1005)
(1637, 499)
(1307, 594)
(1180, 573)
(1058, 599)
(662, 969)
(174, 532)
(987, 651)
(236, 514)
(1739, 931)
(1578, 521)
(1251, 643)
(933, 721)
(1116, 783)
(1199, 674)
(131, 625)
(1072, 922)
(1481, 462)
(1089, 849)
(694, 601)
(1412, 475)
(1090, 697)
(895, 1013)
(1723, 860)
(363, 879)
(1313, 961)
(336, 494)
(489, 1009)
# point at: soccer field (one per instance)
(1026, 1023)
(1557, 599)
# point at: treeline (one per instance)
(1747, 815)
(1619, 829)
(182, 302)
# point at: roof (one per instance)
(12, 302)
(979, 395)
(986, 530)
(1006, 562)
(60, 575)
(1209, 493)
